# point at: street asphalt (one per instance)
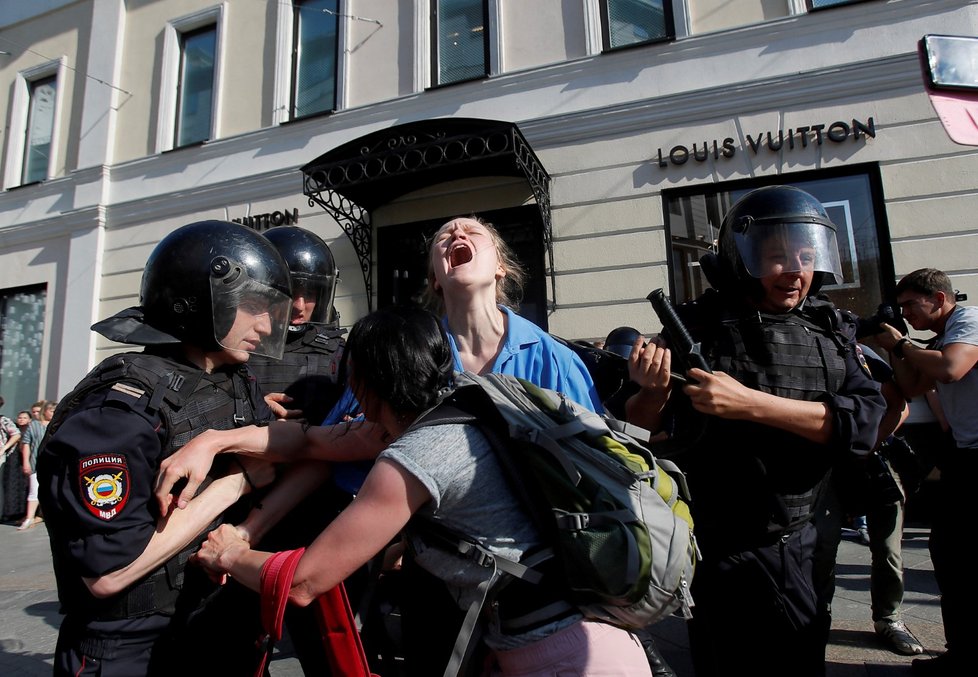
(29, 616)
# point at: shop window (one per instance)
(195, 86)
(40, 129)
(314, 57)
(633, 22)
(460, 40)
(853, 201)
(21, 344)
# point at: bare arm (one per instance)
(11, 442)
(278, 441)
(389, 497)
(719, 394)
(896, 411)
(177, 531)
(921, 368)
(295, 484)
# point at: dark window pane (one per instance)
(818, 4)
(21, 343)
(196, 87)
(633, 21)
(315, 57)
(40, 128)
(461, 40)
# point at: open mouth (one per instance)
(459, 255)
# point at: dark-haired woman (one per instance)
(400, 362)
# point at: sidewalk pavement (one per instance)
(29, 616)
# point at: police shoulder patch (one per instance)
(104, 483)
(862, 361)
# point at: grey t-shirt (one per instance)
(960, 399)
(470, 494)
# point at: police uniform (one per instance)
(308, 371)
(754, 487)
(97, 469)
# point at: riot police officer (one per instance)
(213, 294)
(788, 393)
(304, 383)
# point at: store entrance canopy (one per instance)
(354, 179)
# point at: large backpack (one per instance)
(616, 518)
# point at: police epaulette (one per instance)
(127, 389)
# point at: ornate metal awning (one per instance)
(352, 180)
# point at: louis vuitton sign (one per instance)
(773, 141)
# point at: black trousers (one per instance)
(950, 538)
(757, 610)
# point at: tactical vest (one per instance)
(307, 372)
(188, 402)
(799, 355)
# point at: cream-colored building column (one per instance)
(93, 190)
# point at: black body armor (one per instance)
(753, 482)
(308, 371)
(185, 401)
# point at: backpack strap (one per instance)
(431, 533)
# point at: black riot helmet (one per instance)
(312, 269)
(620, 341)
(212, 285)
(782, 218)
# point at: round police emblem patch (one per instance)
(104, 483)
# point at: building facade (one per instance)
(605, 137)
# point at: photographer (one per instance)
(929, 303)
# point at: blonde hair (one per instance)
(509, 290)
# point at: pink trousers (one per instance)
(585, 648)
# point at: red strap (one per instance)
(276, 581)
(340, 637)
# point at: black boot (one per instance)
(658, 664)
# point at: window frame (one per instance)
(172, 57)
(294, 65)
(16, 159)
(489, 21)
(604, 26)
(178, 120)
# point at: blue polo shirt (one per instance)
(532, 354)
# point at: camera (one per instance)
(888, 313)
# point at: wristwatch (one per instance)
(898, 347)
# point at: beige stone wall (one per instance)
(713, 15)
(59, 34)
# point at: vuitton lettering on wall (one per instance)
(262, 222)
(769, 141)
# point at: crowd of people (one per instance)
(249, 424)
(20, 439)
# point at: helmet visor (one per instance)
(789, 248)
(250, 317)
(312, 299)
